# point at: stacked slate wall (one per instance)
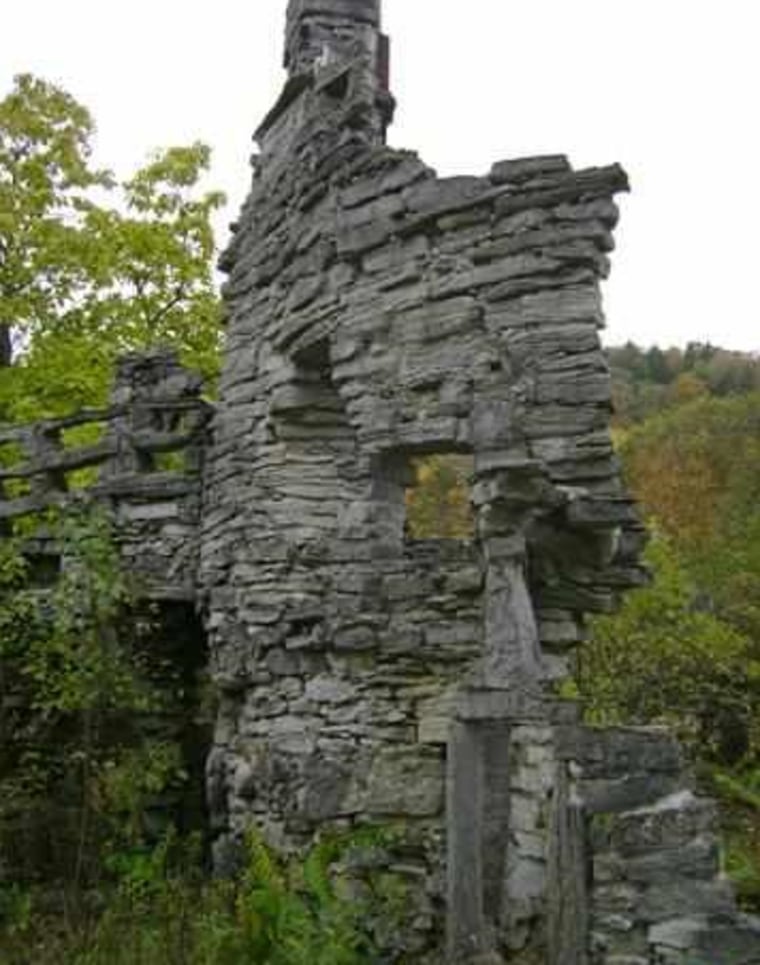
(145, 466)
(377, 313)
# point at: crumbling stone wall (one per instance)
(144, 466)
(148, 464)
(377, 313)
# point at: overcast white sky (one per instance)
(667, 87)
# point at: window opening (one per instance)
(437, 500)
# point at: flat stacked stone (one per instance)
(376, 314)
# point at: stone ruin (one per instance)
(376, 314)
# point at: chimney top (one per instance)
(309, 20)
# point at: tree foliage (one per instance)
(696, 469)
(91, 267)
(687, 651)
(45, 178)
(666, 659)
(645, 381)
(438, 503)
(75, 682)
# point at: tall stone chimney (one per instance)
(337, 60)
(325, 31)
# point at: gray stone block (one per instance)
(523, 169)
(701, 940)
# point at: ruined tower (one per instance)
(377, 313)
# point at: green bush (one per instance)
(78, 766)
(666, 658)
(164, 911)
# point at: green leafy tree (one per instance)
(686, 652)
(665, 659)
(696, 469)
(89, 267)
(45, 179)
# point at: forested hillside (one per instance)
(686, 651)
(647, 380)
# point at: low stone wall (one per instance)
(655, 888)
(145, 466)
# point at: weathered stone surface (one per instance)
(706, 941)
(405, 782)
(523, 169)
(672, 821)
(377, 313)
(617, 751)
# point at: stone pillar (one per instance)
(512, 656)
(466, 925)
(503, 692)
(507, 499)
(149, 392)
(567, 898)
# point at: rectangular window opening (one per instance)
(438, 504)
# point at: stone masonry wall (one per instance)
(654, 888)
(377, 313)
(145, 466)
